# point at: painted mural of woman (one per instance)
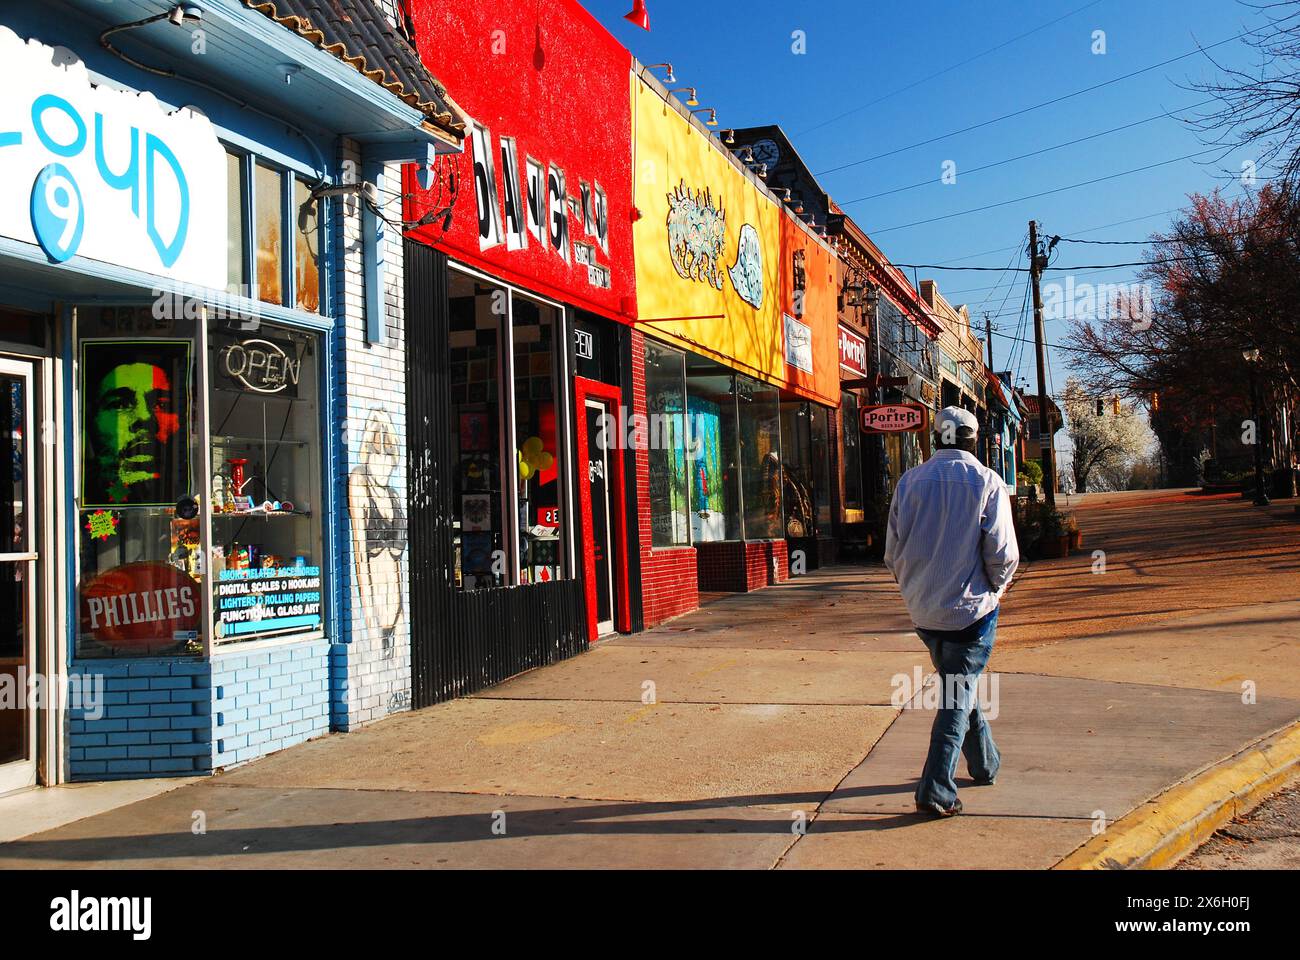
(378, 530)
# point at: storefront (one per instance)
(170, 325)
(736, 306)
(519, 370)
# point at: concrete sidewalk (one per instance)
(768, 714)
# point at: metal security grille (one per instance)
(461, 641)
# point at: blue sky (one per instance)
(738, 53)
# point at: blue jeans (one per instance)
(959, 725)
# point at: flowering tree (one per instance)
(1106, 445)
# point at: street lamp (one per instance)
(1252, 361)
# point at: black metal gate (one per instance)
(461, 641)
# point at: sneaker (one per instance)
(986, 783)
(939, 810)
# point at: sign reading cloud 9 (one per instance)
(106, 174)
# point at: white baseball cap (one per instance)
(956, 423)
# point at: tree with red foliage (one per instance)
(1225, 279)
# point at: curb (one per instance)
(1163, 830)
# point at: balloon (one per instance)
(545, 461)
(532, 447)
(525, 471)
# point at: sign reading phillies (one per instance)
(893, 418)
(853, 352)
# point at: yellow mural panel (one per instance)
(707, 245)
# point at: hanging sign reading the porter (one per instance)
(893, 418)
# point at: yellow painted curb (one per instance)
(1162, 830)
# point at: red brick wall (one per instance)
(741, 567)
(669, 582)
(758, 563)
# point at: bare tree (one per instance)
(1260, 108)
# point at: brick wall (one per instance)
(155, 720)
(669, 585)
(741, 566)
(268, 699)
(370, 670)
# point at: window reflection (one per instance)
(269, 243)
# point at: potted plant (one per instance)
(1028, 479)
(1076, 535)
(1055, 539)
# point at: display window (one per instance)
(510, 522)
(797, 467)
(665, 387)
(164, 406)
(819, 436)
(140, 572)
(758, 410)
(713, 446)
(851, 459)
(805, 450)
(535, 340)
(264, 413)
(719, 478)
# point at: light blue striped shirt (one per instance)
(951, 544)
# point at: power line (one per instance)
(1045, 193)
(946, 70)
(1078, 266)
(1024, 156)
(978, 289)
(1037, 106)
(1104, 226)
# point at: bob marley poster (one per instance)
(135, 422)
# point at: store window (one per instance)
(819, 435)
(508, 519)
(535, 338)
(477, 317)
(797, 467)
(758, 408)
(268, 186)
(267, 488)
(236, 270)
(851, 458)
(714, 481)
(278, 261)
(140, 572)
(665, 387)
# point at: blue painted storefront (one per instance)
(303, 110)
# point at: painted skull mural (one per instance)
(747, 271)
(697, 235)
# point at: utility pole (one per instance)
(1046, 438)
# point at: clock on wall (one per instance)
(766, 151)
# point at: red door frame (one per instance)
(582, 389)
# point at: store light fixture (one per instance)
(669, 77)
(639, 16)
(690, 101)
(713, 115)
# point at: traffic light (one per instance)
(1099, 406)
(1155, 402)
(1115, 402)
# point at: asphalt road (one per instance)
(1268, 838)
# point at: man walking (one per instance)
(952, 548)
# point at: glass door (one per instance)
(19, 541)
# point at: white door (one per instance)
(20, 541)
